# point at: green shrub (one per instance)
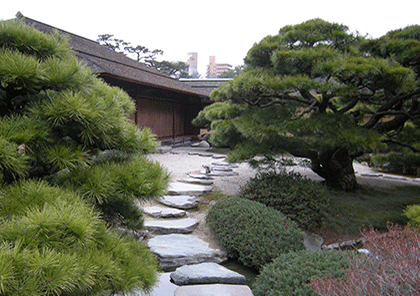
(290, 274)
(302, 200)
(252, 232)
(52, 242)
(413, 213)
(399, 163)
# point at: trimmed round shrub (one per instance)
(252, 232)
(301, 199)
(291, 273)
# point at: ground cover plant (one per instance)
(391, 268)
(301, 199)
(252, 232)
(291, 273)
(69, 156)
(350, 212)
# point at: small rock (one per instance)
(203, 144)
(313, 241)
(206, 273)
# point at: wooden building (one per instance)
(163, 103)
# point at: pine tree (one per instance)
(71, 167)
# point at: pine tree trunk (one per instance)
(336, 167)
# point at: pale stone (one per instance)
(313, 242)
(159, 212)
(213, 290)
(178, 188)
(196, 181)
(184, 202)
(186, 225)
(174, 250)
(206, 273)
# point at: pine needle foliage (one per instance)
(72, 166)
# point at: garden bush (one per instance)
(301, 199)
(253, 232)
(392, 268)
(290, 273)
(399, 163)
(413, 214)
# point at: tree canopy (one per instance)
(71, 170)
(145, 55)
(318, 91)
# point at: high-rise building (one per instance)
(214, 70)
(192, 61)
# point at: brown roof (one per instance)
(101, 59)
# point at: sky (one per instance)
(225, 29)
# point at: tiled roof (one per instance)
(101, 59)
(205, 86)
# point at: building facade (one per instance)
(214, 70)
(192, 61)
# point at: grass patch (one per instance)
(349, 212)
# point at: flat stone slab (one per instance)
(175, 250)
(179, 188)
(213, 290)
(222, 174)
(186, 225)
(196, 181)
(183, 202)
(163, 287)
(206, 273)
(159, 212)
(225, 163)
(221, 168)
(199, 175)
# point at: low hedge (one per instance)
(301, 199)
(291, 273)
(252, 232)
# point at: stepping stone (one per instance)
(183, 202)
(159, 212)
(223, 174)
(175, 250)
(161, 288)
(186, 225)
(372, 175)
(393, 177)
(416, 180)
(206, 273)
(196, 181)
(224, 163)
(178, 188)
(205, 154)
(197, 175)
(221, 168)
(219, 156)
(213, 290)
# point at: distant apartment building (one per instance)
(214, 70)
(192, 61)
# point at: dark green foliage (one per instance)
(252, 232)
(290, 274)
(318, 91)
(399, 163)
(301, 199)
(56, 121)
(54, 243)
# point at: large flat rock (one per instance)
(163, 287)
(186, 225)
(180, 188)
(174, 250)
(213, 290)
(160, 212)
(206, 273)
(196, 181)
(183, 202)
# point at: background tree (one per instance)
(232, 73)
(143, 54)
(69, 156)
(317, 91)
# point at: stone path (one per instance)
(193, 261)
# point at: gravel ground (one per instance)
(180, 162)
